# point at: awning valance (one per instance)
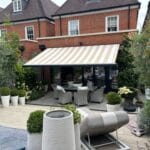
(77, 56)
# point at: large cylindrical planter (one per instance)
(77, 136)
(34, 141)
(58, 131)
(5, 101)
(14, 100)
(113, 107)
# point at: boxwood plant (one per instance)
(14, 92)
(35, 122)
(4, 91)
(113, 98)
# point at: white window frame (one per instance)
(78, 23)
(106, 23)
(26, 35)
(16, 5)
(1, 32)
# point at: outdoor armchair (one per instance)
(97, 95)
(63, 96)
(55, 92)
(81, 96)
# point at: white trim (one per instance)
(78, 23)
(17, 8)
(27, 40)
(2, 30)
(88, 34)
(96, 12)
(26, 37)
(106, 23)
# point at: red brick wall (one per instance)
(113, 38)
(96, 22)
(47, 28)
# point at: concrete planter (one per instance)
(111, 108)
(22, 100)
(34, 141)
(147, 93)
(77, 136)
(14, 100)
(5, 101)
(58, 131)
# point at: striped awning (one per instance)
(82, 55)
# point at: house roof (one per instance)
(31, 9)
(79, 6)
(1, 9)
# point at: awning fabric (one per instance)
(75, 56)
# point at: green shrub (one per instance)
(76, 114)
(22, 93)
(14, 92)
(144, 117)
(35, 122)
(35, 94)
(5, 91)
(113, 98)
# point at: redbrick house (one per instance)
(86, 34)
(147, 18)
(31, 20)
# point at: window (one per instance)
(29, 32)
(73, 27)
(3, 33)
(17, 5)
(112, 23)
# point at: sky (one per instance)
(143, 10)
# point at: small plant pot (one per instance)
(111, 108)
(147, 93)
(22, 100)
(14, 100)
(77, 136)
(5, 101)
(34, 141)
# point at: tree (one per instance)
(9, 52)
(140, 48)
(126, 75)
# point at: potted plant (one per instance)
(14, 96)
(22, 94)
(35, 128)
(5, 96)
(113, 101)
(128, 93)
(77, 119)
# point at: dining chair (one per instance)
(81, 96)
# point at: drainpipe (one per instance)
(39, 27)
(129, 12)
(60, 25)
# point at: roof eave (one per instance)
(92, 10)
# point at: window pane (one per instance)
(30, 34)
(74, 27)
(112, 23)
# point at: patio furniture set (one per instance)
(78, 94)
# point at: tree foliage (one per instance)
(127, 76)
(9, 55)
(140, 48)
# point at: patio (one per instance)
(16, 117)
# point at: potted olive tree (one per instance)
(35, 128)
(14, 96)
(77, 119)
(113, 101)
(5, 96)
(22, 94)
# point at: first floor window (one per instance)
(73, 27)
(112, 23)
(3, 32)
(29, 32)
